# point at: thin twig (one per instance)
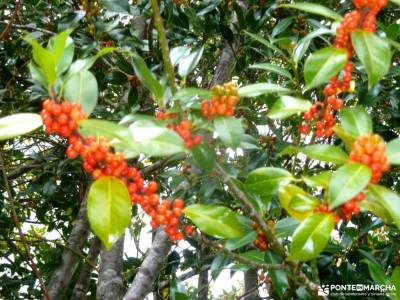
(9, 25)
(21, 234)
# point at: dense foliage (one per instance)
(255, 136)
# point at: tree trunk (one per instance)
(251, 285)
(203, 281)
(82, 285)
(142, 284)
(61, 277)
(110, 285)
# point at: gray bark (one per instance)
(251, 285)
(82, 285)
(142, 284)
(110, 285)
(62, 276)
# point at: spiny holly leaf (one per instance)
(217, 221)
(297, 202)
(356, 121)
(326, 153)
(311, 237)
(322, 65)
(374, 52)
(109, 209)
(347, 182)
(18, 124)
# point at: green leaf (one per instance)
(266, 181)
(204, 156)
(189, 63)
(109, 209)
(324, 64)
(355, 121)
(255, 256)
(347, 182)
(395, 279)
(311, 237)
(272, 68)
(326, 153)
(314, 9)
(263, 41)
(279, 277)
(153, 140)
(287, 106)
(120, 6)
(45, 60)
(297, 202)
(230, 130)
(177, 53)
(258, 89)
(374, 52)
(285, 227)
(120, 137)
(187, 94)
(18, 124)
(376, 272)
(85, 64)
(393, 151)
(371, 204)
(147, 77)
(347, 138)
(237, 243)
(389, 200)
(318, 180)
(82, 88)
(217, 221)
(62, 47)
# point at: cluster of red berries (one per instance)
(324, 209)
(363, 17)
(370, 150)
(61, 118)
(99, 160)
(223, 101)
(261, 241)
(184, 129)
(351, 207)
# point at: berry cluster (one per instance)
(61, 118)
(222, 103)
(184, 129)
(370, 150)
(351, 207)
(363, 17)
(324, 209)
(261, 241)
(99, 160)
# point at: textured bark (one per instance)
(110, 285)
(82, 285)
(203, 281)
(61, 277)
(251, 285)
(150, 268)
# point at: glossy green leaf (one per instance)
(256, 256)
(393, 151)
(272, 68)
(371, 204)
(389, 200)
(189, 63)
(236, 243)
(374, 52)
(230, 130)
(204, 156)
(82, 88)
(314, 8)
(285, 227)
(18, 124)
(326, 153)
(258, 89)
(324, 64)
(109, 209)
(347, 138)
(85, 64)
(177, 53)
(279, 277)
(321, 179)
(263, 41)
(356, 121)
(119, 136)
(299, 204)
(217, 221)
(376, 272)
(153, 140)
(120, 6)
(62, 47)
(347, 182)
(311, 237)
(186, 94)
(147, 77)
(287, 106)
(266, 181)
